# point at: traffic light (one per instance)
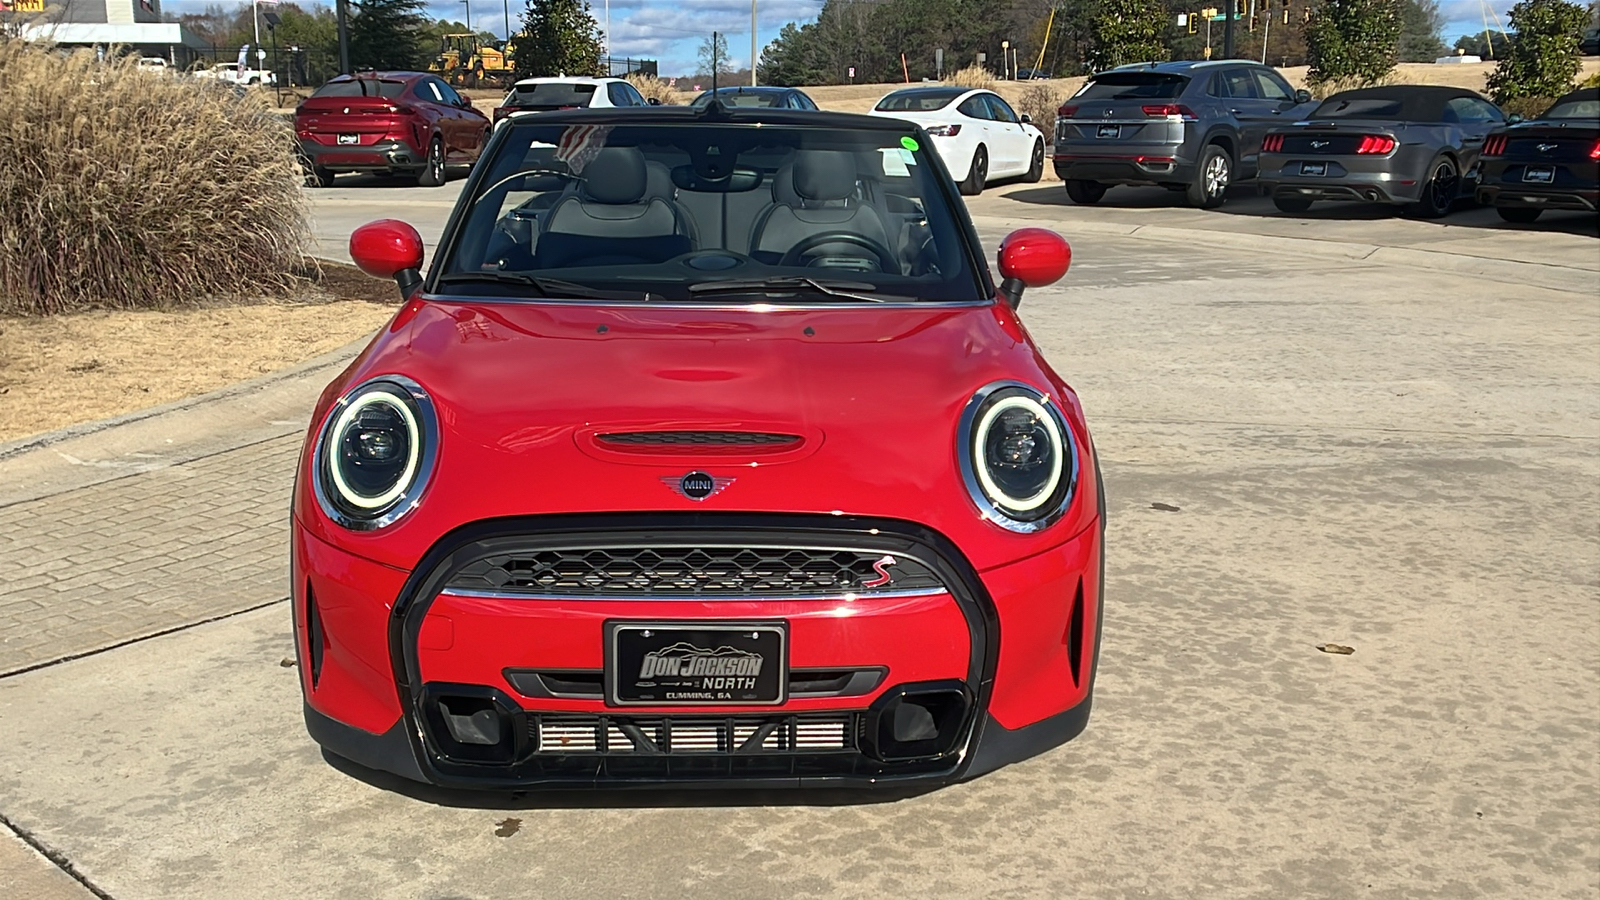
(1194, 23)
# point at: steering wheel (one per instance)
(886, 258)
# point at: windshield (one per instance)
(362, 87)
(1133, 86)
(1587, 108)
(919, 99)
(730, 97)
(692, 211)
(550, 95)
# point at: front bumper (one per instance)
(383, 156)
(1014, 647)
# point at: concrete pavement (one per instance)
(1399, 458)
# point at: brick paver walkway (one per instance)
(96, 566)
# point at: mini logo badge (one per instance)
(882, 568)
(1546, 148)
(696, 486)
(1319, 144)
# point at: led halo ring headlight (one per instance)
(1018, 457)
(375, 453)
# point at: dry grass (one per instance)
(972, 77)
(56, 371)
(1040, 101)
(655, 89)
(125, 189)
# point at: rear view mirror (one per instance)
(1514, 118)
(654, 101)
(1027, 119)
(1302, 96)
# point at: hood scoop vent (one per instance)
(689, 442)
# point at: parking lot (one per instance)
(1343, 427)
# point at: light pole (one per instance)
(752, 43)
(341, 7)
(272, 29)
(468, 5)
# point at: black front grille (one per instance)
(810, 733)
(693, 571)
(699, 439)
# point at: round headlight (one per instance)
(1017, 457)
(375, 453)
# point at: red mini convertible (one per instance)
(707, 451)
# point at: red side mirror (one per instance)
(389, 248)
(1034, 256)
(386, 247)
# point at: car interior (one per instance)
(651, 204)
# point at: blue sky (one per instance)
(670, 31)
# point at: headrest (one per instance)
(824, 174)
(616, 175)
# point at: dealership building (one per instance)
(132, 24)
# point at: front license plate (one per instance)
(349, 138)
(1318, 169)
(1109, 131)
(1539, 174)
(691, 665)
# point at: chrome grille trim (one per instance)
(562, 734)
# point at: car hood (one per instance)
(874, 395)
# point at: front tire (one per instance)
(1036, 167)
(1085, 192)
(978, 174)
(433, 171)
(1209, 189)
(1520, 215)
(1291, 205)
(1439, 192)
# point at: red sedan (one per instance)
(707, 451)
(393, 123)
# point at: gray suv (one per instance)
(1194, 127)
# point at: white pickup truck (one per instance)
(231, 73)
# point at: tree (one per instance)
(558, 37)
(387, 34)
(714, 56)
(786, 61)
(1494, 47)
(1543, 57)
(1127, 31)
(1420, 26)
(1352, 42)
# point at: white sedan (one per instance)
(978, 135)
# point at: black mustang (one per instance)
(1416, 145)
(1551, 162)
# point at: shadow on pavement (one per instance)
(580, 797)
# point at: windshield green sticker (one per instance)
(910, 143)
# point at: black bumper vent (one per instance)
(701, 439)
(693, 571)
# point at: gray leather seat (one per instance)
(814, 194)
(616, 217)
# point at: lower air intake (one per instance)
(693, 735)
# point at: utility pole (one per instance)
(508, 30)
(468, 5)
(752, 43)
(341, 7)
(1227, 28)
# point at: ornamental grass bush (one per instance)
(651, 87)
(972, 77)
(124, 189)
(1040, 101)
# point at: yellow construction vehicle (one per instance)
(469, 61)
